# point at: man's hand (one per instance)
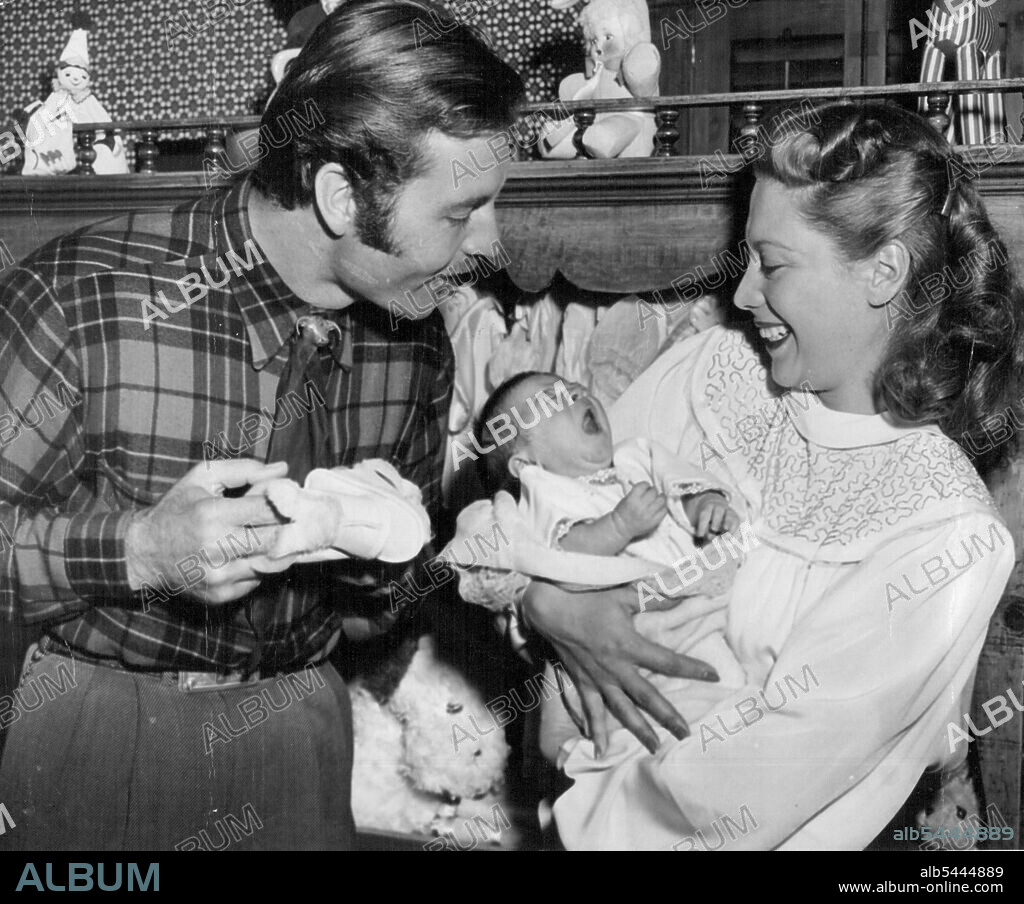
(198, 540)
(593, 634)
(709, 513)
(640, 512)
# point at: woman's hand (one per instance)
(592, 632)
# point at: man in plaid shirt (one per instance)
(190, 687)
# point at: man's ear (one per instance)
(335, 201)
(889, 268)
(517, 462)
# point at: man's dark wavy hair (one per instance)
(873, 173)
(382, 74)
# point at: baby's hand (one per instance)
(709, 513)
(640, 512)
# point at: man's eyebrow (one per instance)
(472, 202)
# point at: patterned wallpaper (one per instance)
(145, 66)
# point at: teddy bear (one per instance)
(621, 62)
(429, 756)
(953, 810)
(238, 156)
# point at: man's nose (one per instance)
(482, 238)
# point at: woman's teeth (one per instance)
(773, 333)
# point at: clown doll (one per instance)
(49, 139)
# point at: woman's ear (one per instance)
(889, 269)
(334, 199)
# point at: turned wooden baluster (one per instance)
(937, 105)
(1013, 615)
(525, 134)
(667, 135)
(85, 153)
(146, 152)
(752, 112)
(215, 151)
(584, 120)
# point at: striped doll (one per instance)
(966, 32)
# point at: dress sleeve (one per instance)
(866, 692)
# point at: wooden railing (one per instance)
(666, 112)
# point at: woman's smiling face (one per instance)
(811, 307)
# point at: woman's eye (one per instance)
(768, 270)
(459, 221)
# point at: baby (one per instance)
(581, 493)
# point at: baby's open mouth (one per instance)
(590, 423)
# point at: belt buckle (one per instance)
(189, 682)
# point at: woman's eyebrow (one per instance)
(760, 243)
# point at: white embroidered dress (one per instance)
(858, 617)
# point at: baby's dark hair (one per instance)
(873, 173)
(492, 466)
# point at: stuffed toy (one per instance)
(621, 62)
(965, 34)
(429, 756)
(955, 809)
(49, 139)
(299, 28)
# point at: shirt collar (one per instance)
(833, 429)
(268, 307)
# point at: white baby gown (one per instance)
(857, 618)
(551, 503)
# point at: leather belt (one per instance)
(186, 682)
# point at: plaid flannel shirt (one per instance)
(134, 349)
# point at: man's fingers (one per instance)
(229, 592)
(249, 512)
(266, 565)
(238, 543)
(217, 476)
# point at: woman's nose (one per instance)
(748, 293)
